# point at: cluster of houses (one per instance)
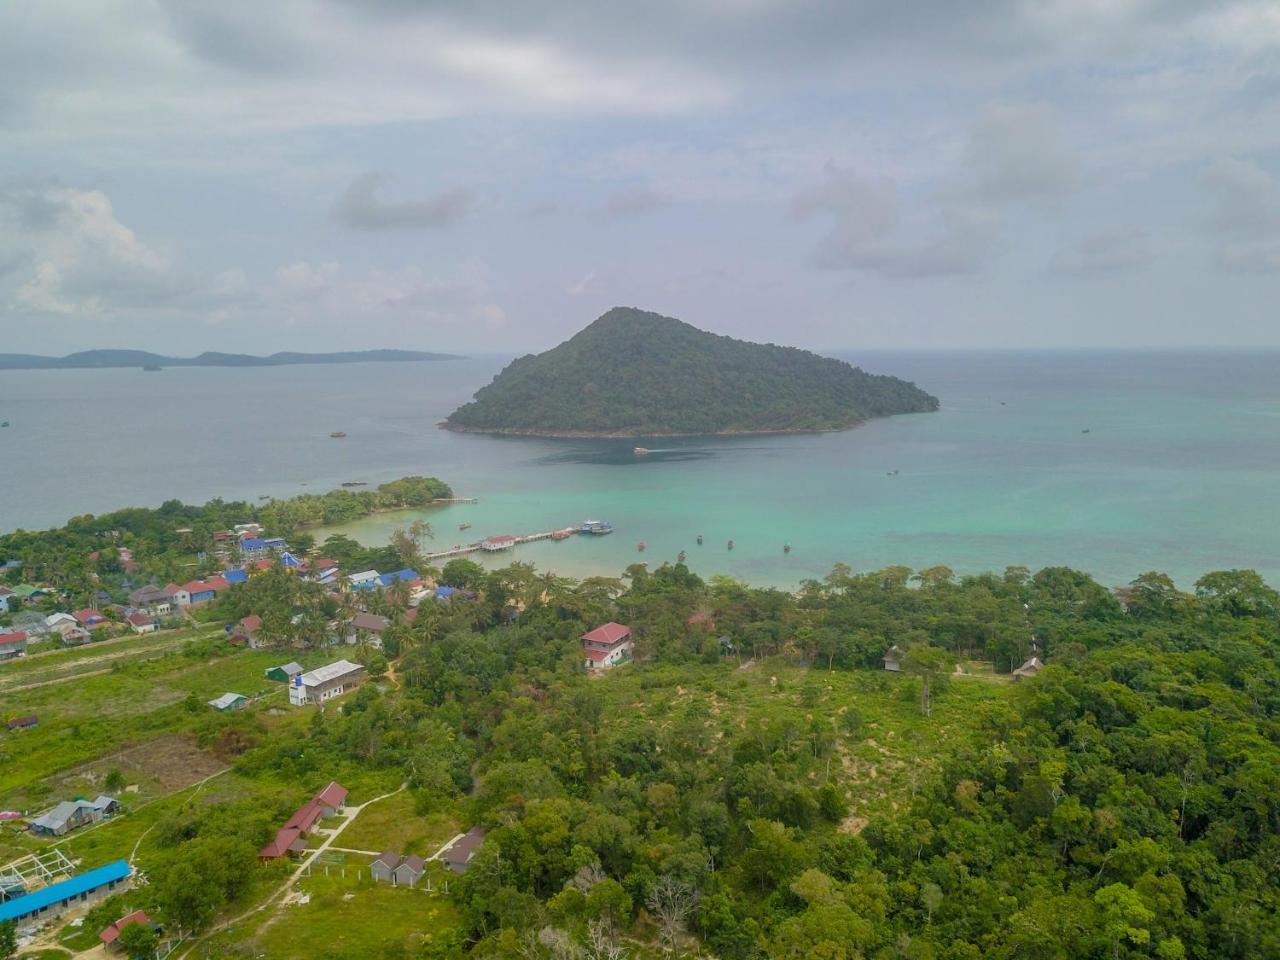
(892, 661)
(291, 839)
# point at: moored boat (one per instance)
(337, 434)
(596, 528)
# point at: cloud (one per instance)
(361, 209)
(867, 235)
(1244, 216)
(1017, 152)
(633, 202)
(1105, 252)
(67, 253)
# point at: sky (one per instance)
(490, 177)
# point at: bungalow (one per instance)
(32, 909)
(607, 646)
(368, 627)
(70, 814)
(332, 800)
(457, 856)
(201, 591)
(13, 645)
(285, 672)
(399, 870)
(892, 658)
(289, 839)
(177, 595)
(142, 623)
(230, 701)
(364, 580)
(67, 627)
(503, 541)
(112, 932)
(383, 868)
(325, 682)
(89, 618)
(1028, 670)
(245, 632)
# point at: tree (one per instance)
(139, 941)
(8, 939)
(671, 901)
(932, 665)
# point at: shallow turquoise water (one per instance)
(1180, 469)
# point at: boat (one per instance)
(354, 483)
(560, 534)
(152, 368)
(337, 434)
(699, 539)
(682, 556)
(730, 544)
(596, 528)
(640, 451)
(1085, 430)
(640, 546)
(464, 526)
(4, 423)
(891, 473)
(786, 548)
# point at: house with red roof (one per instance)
(112, 933)
(142, 623)
(502, 542)
(13, 645)
(291, 838)
(607, 646)
(245, 632)
(89, 617)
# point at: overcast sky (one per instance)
(490, 176)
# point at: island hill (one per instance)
(632, 373)
(98, 359)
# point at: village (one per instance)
(49, 885)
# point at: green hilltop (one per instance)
(633, 373)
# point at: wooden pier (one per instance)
(479, 545)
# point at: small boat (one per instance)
(730, 544)
(786, 548)
(699, 539)
(151, 368)
(891, 473)
(264, 497)
(4, 423)
(596, 528)
(1085, 430)
(355, 483)
(464, 526)
(682, 556)
(337, 434)
(640, 546)
(640, 451)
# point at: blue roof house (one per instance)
(235, 576)
(34, 908)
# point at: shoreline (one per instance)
(617, 435)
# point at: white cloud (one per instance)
(361, 209)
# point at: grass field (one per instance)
(392, 824)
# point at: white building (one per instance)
(323, 683)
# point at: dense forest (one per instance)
(83, 555)
(633, 373)
(1123, 803)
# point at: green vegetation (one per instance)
(632, 373)
(753, 785)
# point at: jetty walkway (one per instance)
(495, 544)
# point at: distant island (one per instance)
(88, 359)
(632, 373)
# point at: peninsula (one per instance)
(97, 359)
(632, 373)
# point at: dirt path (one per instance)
(348, 817)
(149, 652)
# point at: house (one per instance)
(112, 932)
(13, 645)
(22, 723)
(142, 623)
(1028, 669)
(196, 592)
(5, 594)
(892, 658)
(32, 909)
(364, 580)
(155, 600)
(504, 541)
(230, 701)
(67, 627)
(70, 814)
(89, 618)
(457, 856)
(445, 594)
(235, 577)
(410, 870)
(332, 800)
(290, 838)
(383, 868)
(607, 646)
(285, 672)
(254, 548)
(325, 682)
(177, 595)
(246, 632)
(368, 626)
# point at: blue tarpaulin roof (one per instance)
(387, 579)
(253, 543)
(86, 882)
(235, 576)
(445, 591)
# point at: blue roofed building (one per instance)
(254, 548)
(234, 577)
(445, 593)
(34, 908)
(407, 575)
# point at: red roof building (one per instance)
(89, 617)
(112, 933)
(609, 634)
(332, 798)
(289, 838)
(607, 646)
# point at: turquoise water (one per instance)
(1178, 470)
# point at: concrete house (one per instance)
(383, 868)
(154, 600)
(368, 627)
(892, 658)
(332, 680)
(13, 645)
(607, 646)
(410, 871)
(111, 933)
(32, 909)
(142, 623)
(245, 632)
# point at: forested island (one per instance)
(632, 373)
(91, 359)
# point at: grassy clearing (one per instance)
(392, 824)
(59, 663)
(346, 917)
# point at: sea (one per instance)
(1115, 463)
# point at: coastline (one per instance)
(617, 435)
